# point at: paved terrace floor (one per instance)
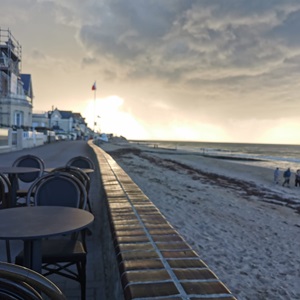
(55, 155)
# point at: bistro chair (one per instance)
(57, 189)
(80, 175)
(28, 178)
(81, 162)
(5, 191)
(5, 200)
(60, 255)
(17, 282)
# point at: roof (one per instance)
(78, 116)
(66, 114)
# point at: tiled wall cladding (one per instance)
(153, 259)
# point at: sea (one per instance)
(264, 155)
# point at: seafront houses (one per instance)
(61, 121)
(80, 125)
(16, 94)
(67, 123)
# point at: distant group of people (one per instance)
(286, 177)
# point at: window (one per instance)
(19, 118)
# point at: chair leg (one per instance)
(8, 253)
(81, 268)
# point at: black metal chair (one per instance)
(60, 255)
(57, 189)
(5, 191)
(18, 282)
(80, 175)
(5, 200)
(81, 162)
(28, 178)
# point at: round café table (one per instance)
(32, 224)
(13, 178)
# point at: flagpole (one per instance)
(95, 90)
(94, 108)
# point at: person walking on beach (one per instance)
(276, 176)
(287, 176)
(297, 178)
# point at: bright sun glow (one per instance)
(185, 131)
(109, 117)
(284, 132)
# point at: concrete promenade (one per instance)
(56, 155)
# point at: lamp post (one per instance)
(94, 121)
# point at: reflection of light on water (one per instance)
(269, 156)
(282, 165)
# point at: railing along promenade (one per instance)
(144, 256)
(11, 140)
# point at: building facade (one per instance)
(40, 120)
(16, 94)
(62, 122)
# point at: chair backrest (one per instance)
(86, 177)
(30, 161)
(78, 173)
(17, 282)
(58, 189)
(5, 191)
(81, 162)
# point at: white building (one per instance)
(40, 119)
(16, 95)
(61, 120)
(67, 122)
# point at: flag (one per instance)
(94, 86)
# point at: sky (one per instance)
(199, 70)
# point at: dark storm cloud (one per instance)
(129, 30)
(191, 40)
(183, 41)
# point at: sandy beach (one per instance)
(245, 227)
